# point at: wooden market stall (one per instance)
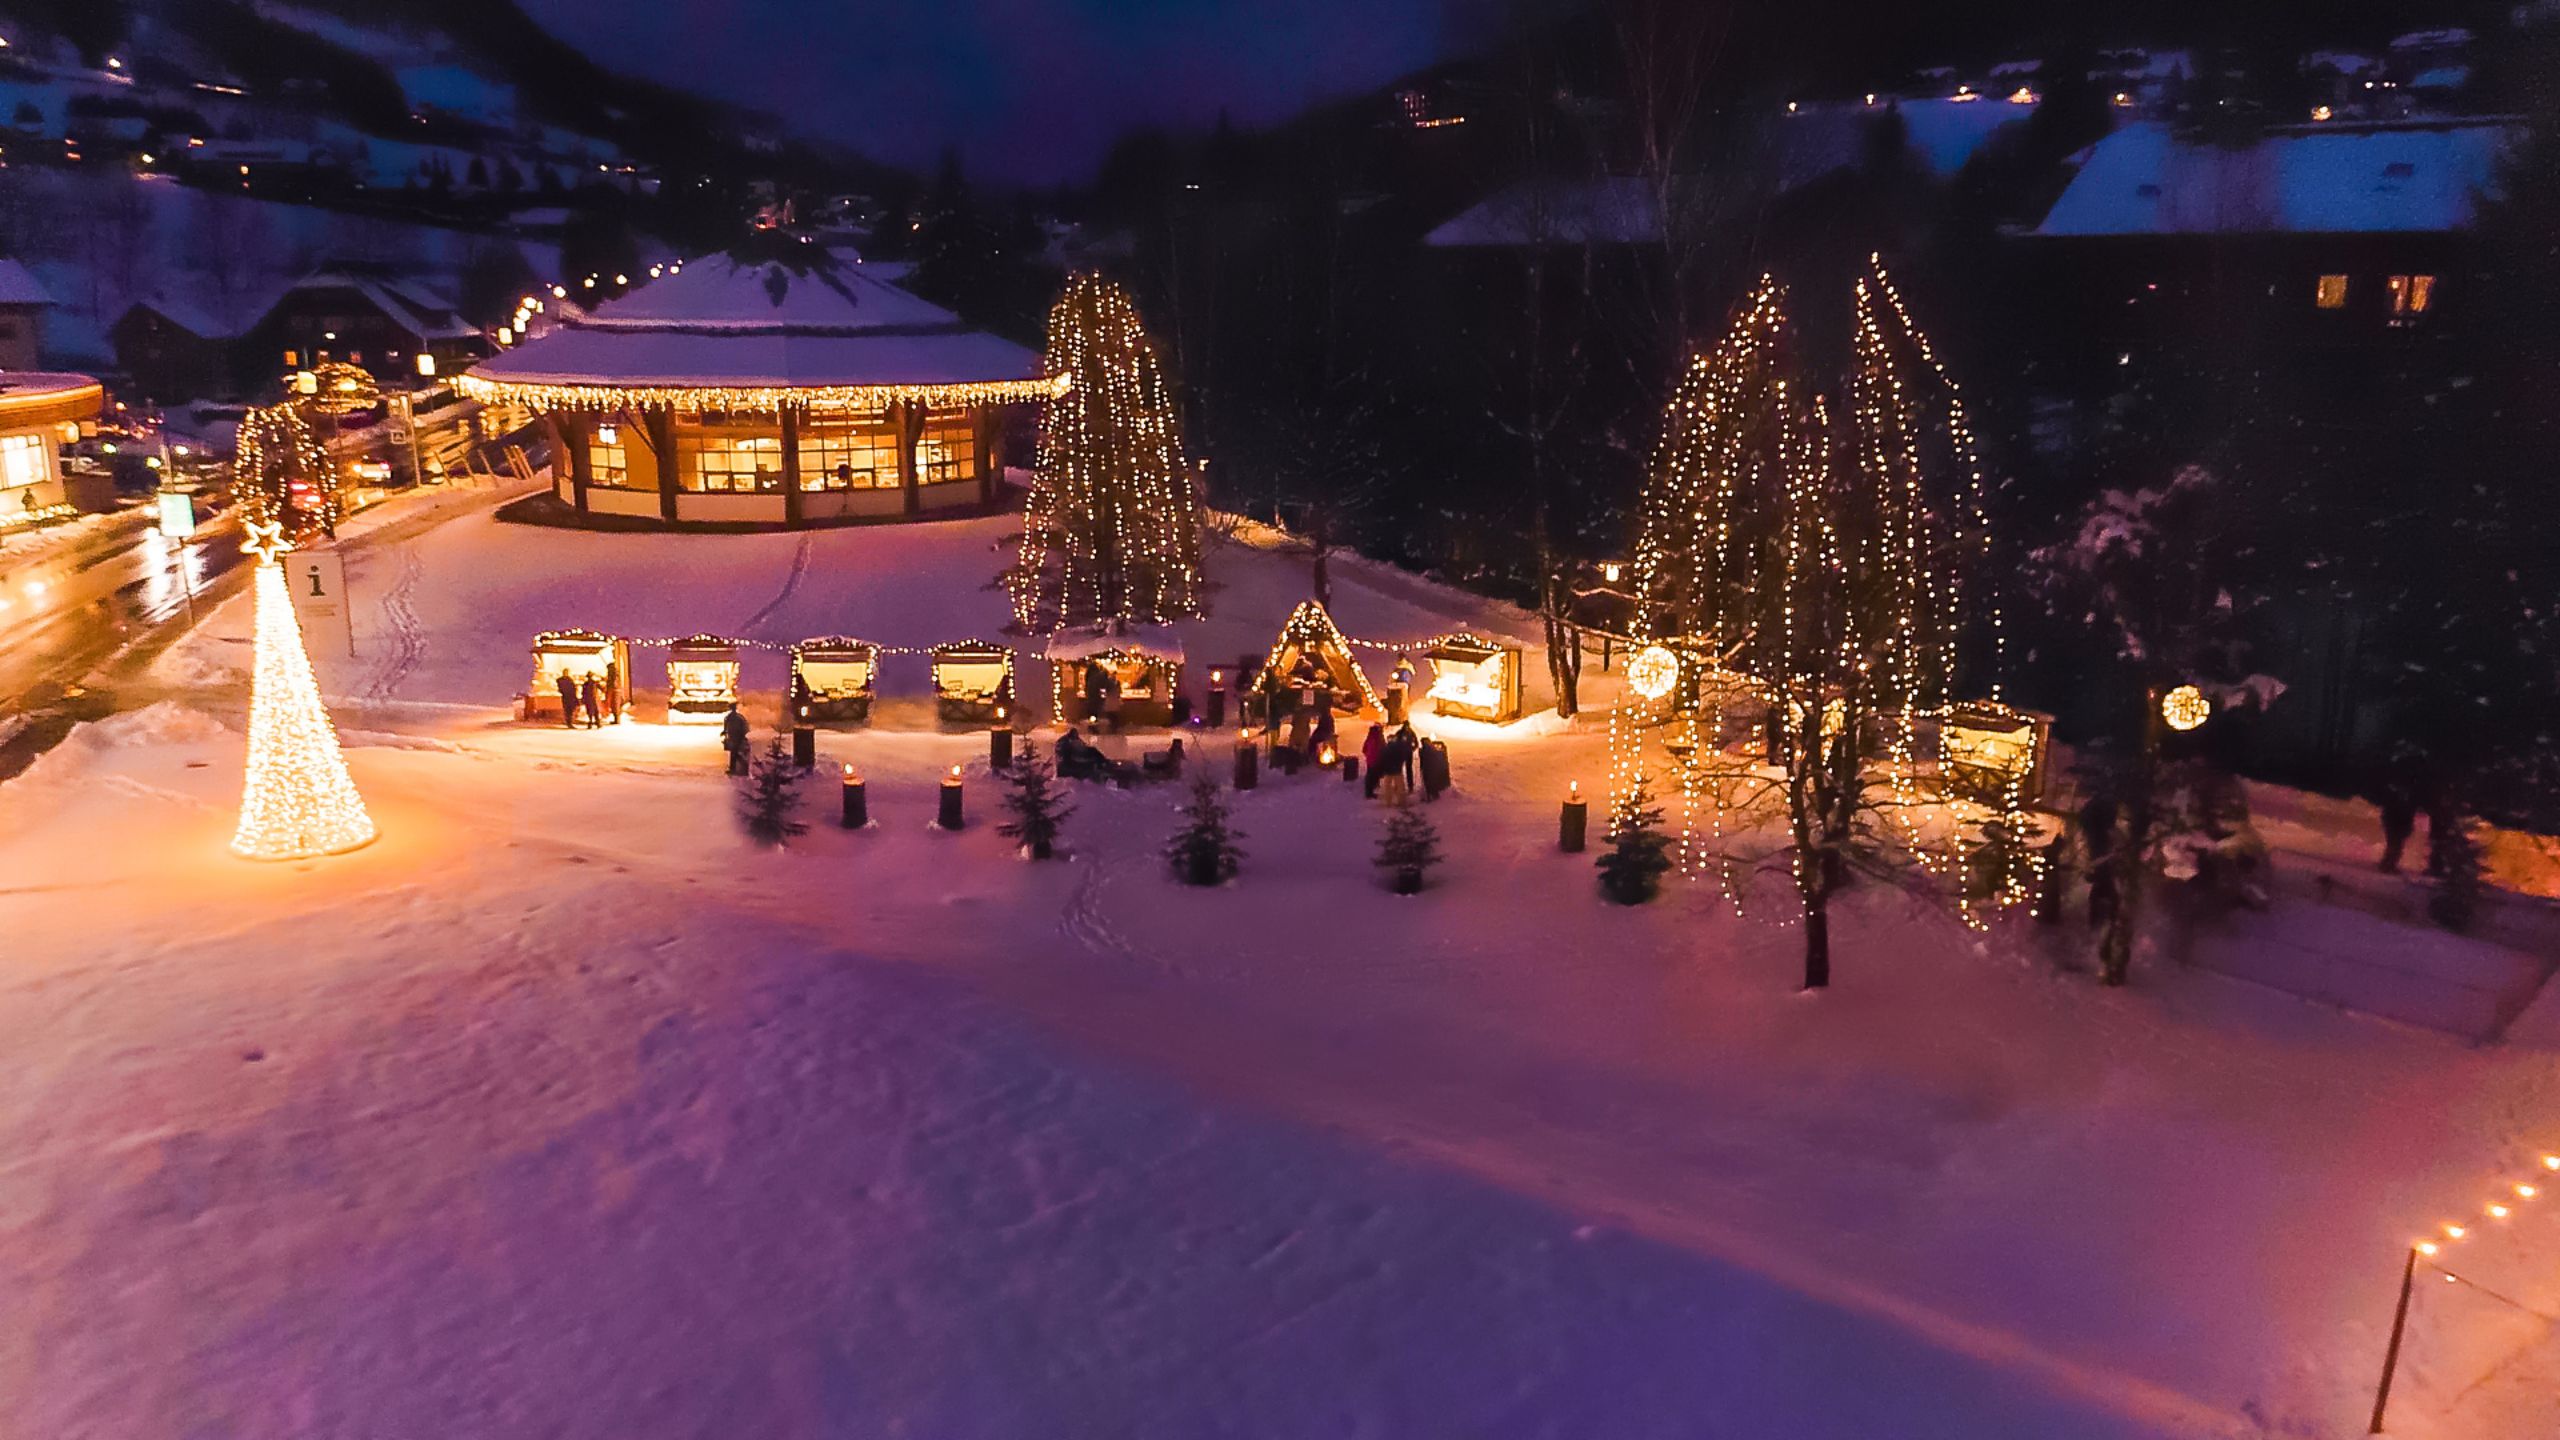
(972, 680)
(582, 655)
(1475, 679)
(702, 680)
(1139, 666)
(1994, 754)
(1311, 635)
(834, 679)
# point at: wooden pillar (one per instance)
(790, 466)
(569, 443)
(661, 425)
(909, 418)
(990, 453)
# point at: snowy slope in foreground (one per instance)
(558, 1112)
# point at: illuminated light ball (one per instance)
(1653, 672)
(2185, 708)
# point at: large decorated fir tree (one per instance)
(1112, 533)
(278, 452)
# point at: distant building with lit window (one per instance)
(368, 315)
(39, 414)
(2331, 235)
(735, 392)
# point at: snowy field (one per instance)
(560, 1112)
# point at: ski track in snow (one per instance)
(408, 639)
(791, 579)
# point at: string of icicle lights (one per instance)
(1811, 559)
(1112, 531)
(297, 800)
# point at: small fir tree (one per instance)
(1631, 869)
(2453, 858)
(1409, 847)
(1204, 850)
(1038, 805)
(769, 797)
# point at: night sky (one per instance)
(1030, 90)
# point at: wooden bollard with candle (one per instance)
(857, 800)
(1248, 761)
(1575, 824)
(950, 818)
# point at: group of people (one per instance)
(594, 697)
(1387, 759)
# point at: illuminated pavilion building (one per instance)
(790, 391)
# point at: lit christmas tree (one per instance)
(277, 449)
(297, 801)
(1112, 532)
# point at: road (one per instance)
(64, 613)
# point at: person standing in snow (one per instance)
(591, 698)
(2399, 806)
(733, 738)
(569, 700)
(1373, 753)
(1096, 686)
(613, 691)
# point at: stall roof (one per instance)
(1156, 642)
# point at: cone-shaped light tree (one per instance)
(1112, 532)
(297, 801)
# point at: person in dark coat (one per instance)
(591, 697)
(569, 700)
(613, 691)
(733, 738)
(1373, 754)
(2399, 806)
(1097, 692)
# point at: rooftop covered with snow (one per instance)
(2323, 179)
(827, 328)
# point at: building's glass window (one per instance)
(2331, 293)
(848, 454)
(2411, 294)
(608, 458)
(949, 449)
(730, 462)
(293, 359)
(24, 460)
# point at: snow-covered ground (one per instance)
(558, 1111)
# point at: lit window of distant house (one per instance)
(608, 462)
(293, 359)
(948, 450)
(2330, 293)
(24, 460)
(855, 455)
(2411, 294)
(730, 463)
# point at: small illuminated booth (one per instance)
(582, 655)
(1475, 679)
(702, 680)
(972, 680)
(1144, 664)
(836, 678)
(1994, 753)
(1310, 633)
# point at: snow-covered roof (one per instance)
(1618, 210)
(723, 323)
(2441, 77)
(1155, 642)
(2326, 179)
(19, 286)
(411, 304)
(207, 315)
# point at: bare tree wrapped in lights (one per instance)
(1112, 532)
(1805, 567)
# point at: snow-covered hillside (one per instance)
(559, 1111)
